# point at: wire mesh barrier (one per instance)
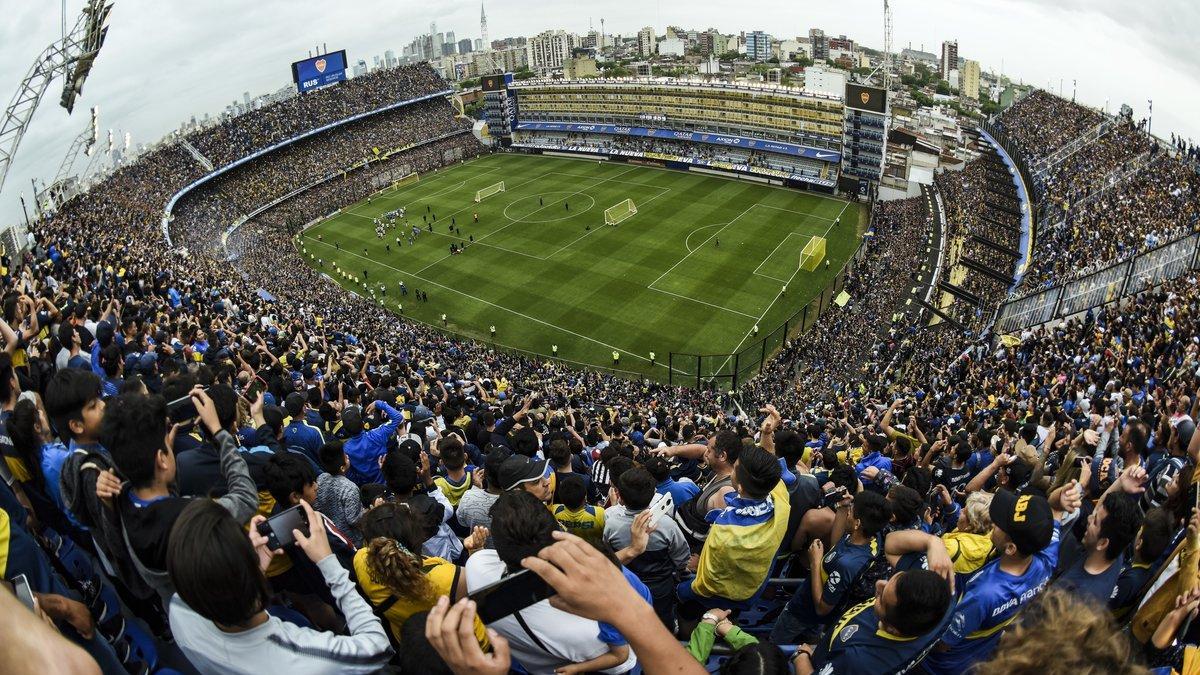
(728, 371)
(1100, 287)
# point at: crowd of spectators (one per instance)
(607, 143)
(235, 137)
(204, 213)
(159, 407)
(1041, 123)
(1112, 197)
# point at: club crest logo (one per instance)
(865, 96)
(320, 64)
(848, 632)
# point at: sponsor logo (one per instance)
(320, 65)
(825, 155)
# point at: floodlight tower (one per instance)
(72, 57)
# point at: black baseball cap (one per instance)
(1026, 519)
(519, 469)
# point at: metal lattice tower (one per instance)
(887, 45)
(85, 142)
(71, 57)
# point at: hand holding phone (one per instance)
(279, 529)
(509, 595)
(661, 505)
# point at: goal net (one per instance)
(812, 254)
(619, 212)
(488, 191)
(405, 180)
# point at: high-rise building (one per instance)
(949, 58)
(645, 41)
(548, 50)
(360, 68)
(758, 45)
(464, 46)
(707, 41)
(246, 98)
(841, 42)
(969, 82)
(389, 59)
(478, 44)
(820, 46)
(378, 63)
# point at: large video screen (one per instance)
(319, 70)
(871, 99)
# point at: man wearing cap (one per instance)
(365, 447)
(299, 433)
(535, 476)
(1025, 532)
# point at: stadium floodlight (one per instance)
(70, 56)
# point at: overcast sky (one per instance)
(166, 60)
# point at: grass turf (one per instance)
(700, 264)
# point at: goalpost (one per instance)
(488, 191)
(622, 211)
(812, 254)
(405, 180)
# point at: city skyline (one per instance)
(160, 65)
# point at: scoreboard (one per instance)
(319, 70)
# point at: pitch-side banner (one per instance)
(690, 136)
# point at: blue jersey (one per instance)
(991, 601)
(1100, 588)
(857, 645)
(841, 566)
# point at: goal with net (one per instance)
(812, 254)
(619, 212)
(405, 180)
(488, 191)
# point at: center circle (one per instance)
(553, 203)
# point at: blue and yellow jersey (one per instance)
(990, 603)
(587, 523)
(453, 490)
(741, 544)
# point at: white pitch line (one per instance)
(689, 253)
(467, 208)
(406, 188)
(781, 243)
(690, 299)
(689, 237)
(499, 307)
(777, 296)
(591, 232)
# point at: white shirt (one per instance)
(567, 638)
(281, 647)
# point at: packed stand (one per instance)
(203, 214)
(201, 477)
(236, 137)
(1041, 123)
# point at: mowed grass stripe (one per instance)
(586, 290)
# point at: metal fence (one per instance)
(726, 372)
(1109, 284)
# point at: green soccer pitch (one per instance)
(694, 270)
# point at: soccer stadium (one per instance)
(627, 350)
